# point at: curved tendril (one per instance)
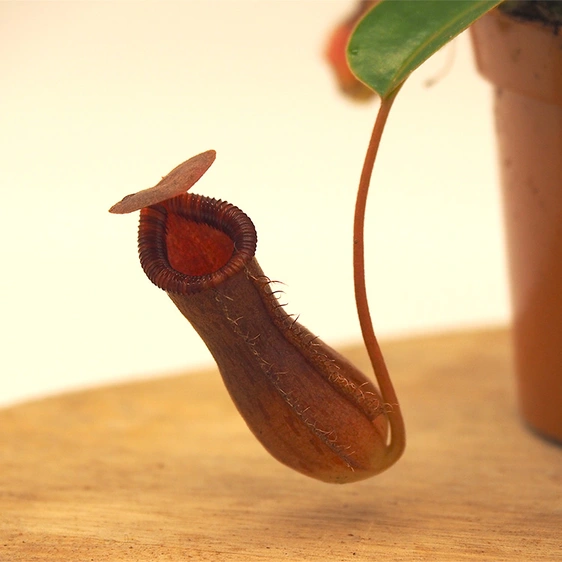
(398, 433)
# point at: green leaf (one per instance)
(397, 36)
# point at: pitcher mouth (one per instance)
(191, 243)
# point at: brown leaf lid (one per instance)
(178, 181)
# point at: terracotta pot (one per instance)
(524, 61)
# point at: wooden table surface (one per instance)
(166, 470)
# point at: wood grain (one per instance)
(166, 470)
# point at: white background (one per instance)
(101, 99)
